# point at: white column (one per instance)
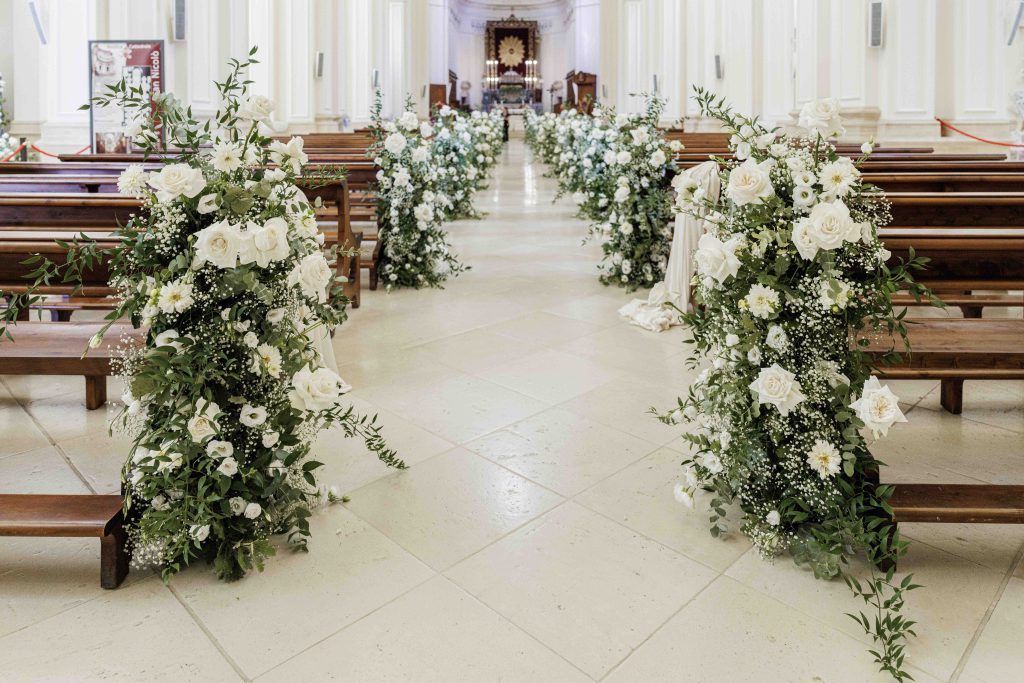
(356, 60)
(775, 79)
(206, 56)
(294, 65)
(907, 71)
(587, 36)
(853, 68)
(633, 45)
(327, 87)
(980, 94)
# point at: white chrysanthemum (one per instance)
(132, 181)
(175, 297)
(762, 301)
(226, 157)
(824, 458)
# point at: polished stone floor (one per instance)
(534, 536)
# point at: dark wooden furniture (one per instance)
(70, 515)
(45, 348)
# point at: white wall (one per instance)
(943, 58)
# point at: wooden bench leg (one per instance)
(952, 395)
(113, 555)
(971, 311)
(95, 391)
(373, 276)
(62, 316)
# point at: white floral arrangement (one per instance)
(411, 208)
(463, 154)
(617, 168)
(791, 279)
(224, 267)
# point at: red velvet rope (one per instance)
(57, 156)
(13, 154)
(975, 137)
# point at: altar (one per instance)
(511, 71)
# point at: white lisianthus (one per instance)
(218, 244)
(289, 153)
(395, 143)
(623, 158)
(609, 157)
(312, 274)
(228, 467)
(252, 416)
(773, 518)
(276, 315)
(731, 340)
(824, 458)
(219, 449)
(199, 532)
(426, 130)
(132, 181)
(878, 408)
(779, 387)
(684, 185)
(256, 108)
(315, 390)
(252, 511)
(867, 148)
(167, 338)
(754, 356)
(658, 158)
(177, 180)
(208, 203)
(424, 213)
(823, 117)
(717, 259)
(804, 197)
(749, 183)
(840, 299)
(827, 227)
(621, 193)
(251, 340)
(270, 439)
(762, 301)
(420, 155)
(226, 157)
(682, 495)
(578, 198)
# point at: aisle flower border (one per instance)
(225, 268)
(790, 272)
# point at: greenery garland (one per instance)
(791, 281)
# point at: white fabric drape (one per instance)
(321, 337)
(655, 314)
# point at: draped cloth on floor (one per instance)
(321, 338)
(655, 313)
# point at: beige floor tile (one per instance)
(136, 633)
(998, 655)
(586, 587)
(624, 404)
(20, 432)
(436, 632)
(478, 350)
(458, 408)
(302, 598)
(948, 609)
(732, 633)
(562, 451)
(640, 497)
(99, 457)
(996, 403)
(596, 308)
(550, 376)
(34, 387)
(545, 327)
(42, 470)
(950, 442)
(65, 417)
(995, 546)
(450, 506)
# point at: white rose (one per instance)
(208, 203)
(256, 108)
(395, 143)
(623, 158)
(878, 408)
(822, 116)
(658, 158)
(717, 259)
(426, 130)
(829, 225)
(177, 180)
(316, 390)
(773, 518)
(779, 387)
(749, 183)
(218, 244)
(420, 155)
(409, 120)
(252, 511)
(228, 467)
(202, 425)
(867, 148)
(621, 193)
(270, 241)
(312, 274)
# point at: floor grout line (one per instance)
(209, 634)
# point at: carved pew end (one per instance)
(54, 516)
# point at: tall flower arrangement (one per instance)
(791, 280)
(411, 207)
(224, 267)
(463, 153)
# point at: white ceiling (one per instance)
(506, 8)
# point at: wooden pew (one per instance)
(64, 515)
